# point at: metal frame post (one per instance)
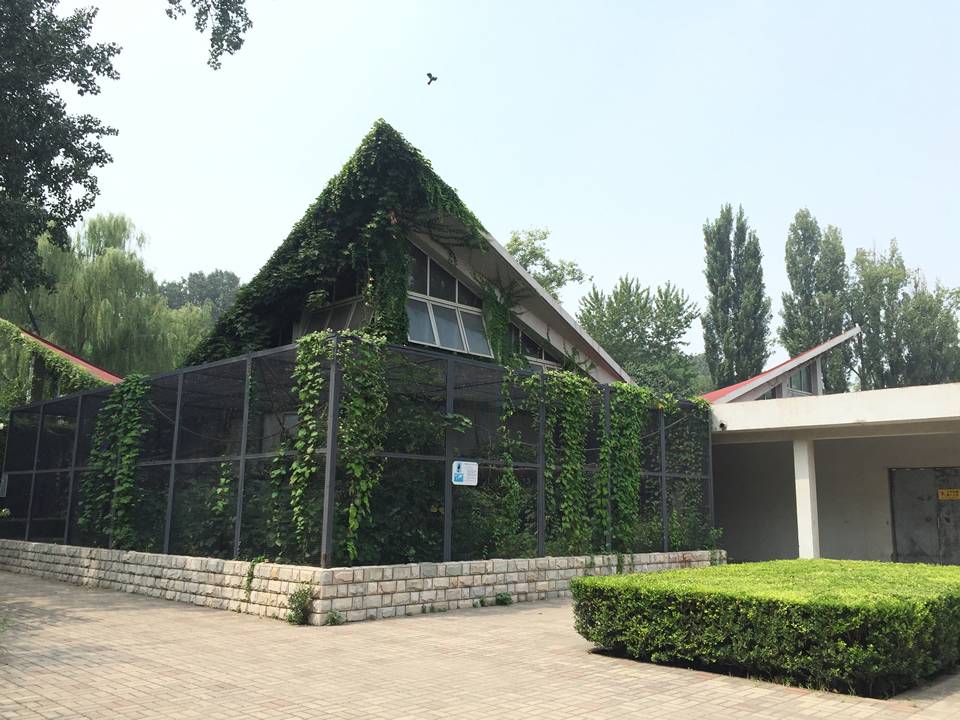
(73, 472)
(663, 481)
(168, 523)
(448, 467)
(241, 476)
(330, 467)
(606, 433)
(33, 475)
(711, 507)
(541, 477)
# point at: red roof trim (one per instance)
(715, 395)
(98, 373)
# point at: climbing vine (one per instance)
(108, 499)
(360, 223)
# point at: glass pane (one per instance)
(266, 526)
(447, 327)
(149, 512)
(416, 418)
(57, 435)
(442, 283)
(340, 316)
(476, 335)
(688, 442)
(477, 397)
(273, 403)
(418, 317)
(405, 523)
(529, 346)
(465, 296)
(160, 412)
(418, 270)
(90, 520)
(21, 441)
(88, 417)
(17, 501)
(49, 514)
(689, 521)
(361, 316)
(211, 414)
(497, 518)
(204, 509)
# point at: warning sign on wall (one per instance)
(948, 494)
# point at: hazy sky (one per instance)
(620, 126)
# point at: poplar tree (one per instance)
(736, 325)
(814, 309)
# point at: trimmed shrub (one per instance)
(867, 628)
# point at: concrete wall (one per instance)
(755, 500)
(362, 593)
(853, 488)
(755, 496)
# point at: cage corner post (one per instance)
(330, 466)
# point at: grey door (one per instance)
(926, 514)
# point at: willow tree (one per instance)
(105, 304)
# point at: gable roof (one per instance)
(385, 190)
(732, 392)
(98, 373)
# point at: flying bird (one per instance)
(431, 77)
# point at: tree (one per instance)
(643, 331)
(814, 309)
(227, 19)
(736, 325)
(217, 288)
(529, 249)
(107, 307)
(877, 291)
(47, 156)
(930, 335)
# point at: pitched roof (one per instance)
(93, 370)
(732, 392)
(385, 189)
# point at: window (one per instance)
(801, 381)
(351, 314)
(441, 310)
(522, 343)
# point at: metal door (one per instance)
(926, 514)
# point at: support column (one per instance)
(805, 478)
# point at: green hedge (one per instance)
(863, 627)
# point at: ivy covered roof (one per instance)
(386, 190)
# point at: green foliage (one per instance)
(814, 309)
(218, 288)
(248, 578)
(643, 331)
(865, 627)
(360, 222)
(108, 496)
(106, 306)
(227, 19)
(21, 357)
(504, 598)
(49, 155)
(569, 491)
(529, 249)
(298, 605)
(335, 618)
(736, 323)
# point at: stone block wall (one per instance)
(358, 593)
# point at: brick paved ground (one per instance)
(76, 652)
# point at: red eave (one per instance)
(715, 395)
(98, 373)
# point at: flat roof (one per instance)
(895, 411)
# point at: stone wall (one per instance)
(359, 593)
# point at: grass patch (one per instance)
(867, 628)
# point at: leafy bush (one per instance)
(298, 605)
(504, 598)
(863, 627)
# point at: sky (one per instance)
(620, 126)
